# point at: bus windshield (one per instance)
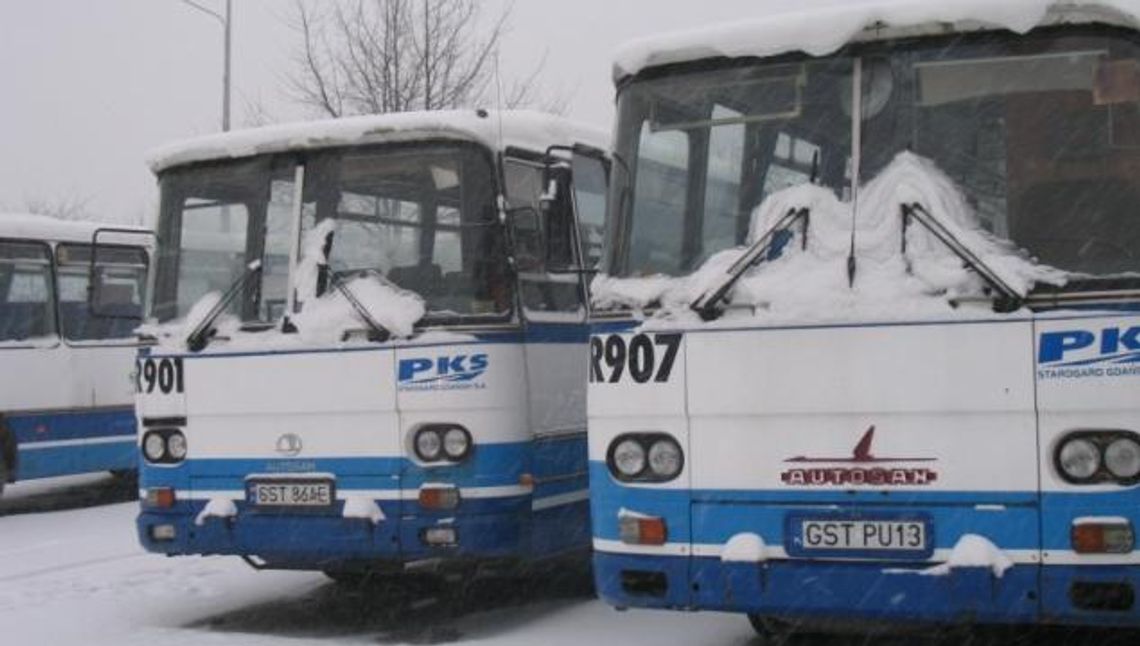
(423, 216)
(1041, 134)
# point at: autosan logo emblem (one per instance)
(1081, 354)
(863, 468)
(289, 444)
(452, 372)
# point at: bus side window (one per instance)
(26, 309)
(120, 282)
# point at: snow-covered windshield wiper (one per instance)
(379, 333)
(199, 337)
(706, 305)
(1006, 300)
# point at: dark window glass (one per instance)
(26, 301)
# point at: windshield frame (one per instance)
(617, 254)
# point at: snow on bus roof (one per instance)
(520, 128)
(820, 32)
(41, 227)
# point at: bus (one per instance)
(369, 341)
(67, 343)
(865, 344)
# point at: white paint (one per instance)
(560, 500)
(57, 444)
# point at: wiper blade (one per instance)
(380, 333)
(1008, 300)
(706, 304)
(199, 337)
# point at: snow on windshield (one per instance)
(810, 282)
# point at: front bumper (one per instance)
(328, 540)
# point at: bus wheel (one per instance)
(770, 630)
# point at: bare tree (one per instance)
(65, 208)
(379, 56)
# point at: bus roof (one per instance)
(823, 31)
(26, 226)
(524, 129)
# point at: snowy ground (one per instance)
(72, 573)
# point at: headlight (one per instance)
(1079, 459)
(665, 458)
(176, 446)
(154, 447)
(1122, 458)
(429, 445)
(629, 458)
(456, 443)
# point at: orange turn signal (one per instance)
(1102, 538)
(642, 531)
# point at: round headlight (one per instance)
(665, 458)
(456, 443)
(176, 446)
(429, 446)
(1122, 458)
(1079, 459)
(154, 447)
(629, 458)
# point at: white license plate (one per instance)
(291, 494)
(863, 535)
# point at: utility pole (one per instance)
(227, 22)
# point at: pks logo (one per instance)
(458, 372)
(1076, 354)
(867, 473)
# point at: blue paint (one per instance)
(114, 429)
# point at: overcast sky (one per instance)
(87, 88)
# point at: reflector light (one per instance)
(1102, 538)
(162, 497)
(642, 531)
(439, 497)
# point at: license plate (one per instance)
(885, 537)
(290, 493)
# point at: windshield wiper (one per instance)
(1008, 300)
(379, 333)
(706, 304)
(199, 337)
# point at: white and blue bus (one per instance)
(371, 335)
(66, 395)
(866, 344)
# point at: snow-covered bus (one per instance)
(371, 336)
(866, 342)
(67, 345)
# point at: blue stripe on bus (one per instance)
(67, 460)
(55, 426)
(1012, 520)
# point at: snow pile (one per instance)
(810, 282)
(359, 507)
(216, 508)
(822, 31)
(326, 319)
(744, 548)
(973, 551)
(520, 128)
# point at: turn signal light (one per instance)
(162, 498)
(642, 531)
(439, 497)
(1102, 538)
